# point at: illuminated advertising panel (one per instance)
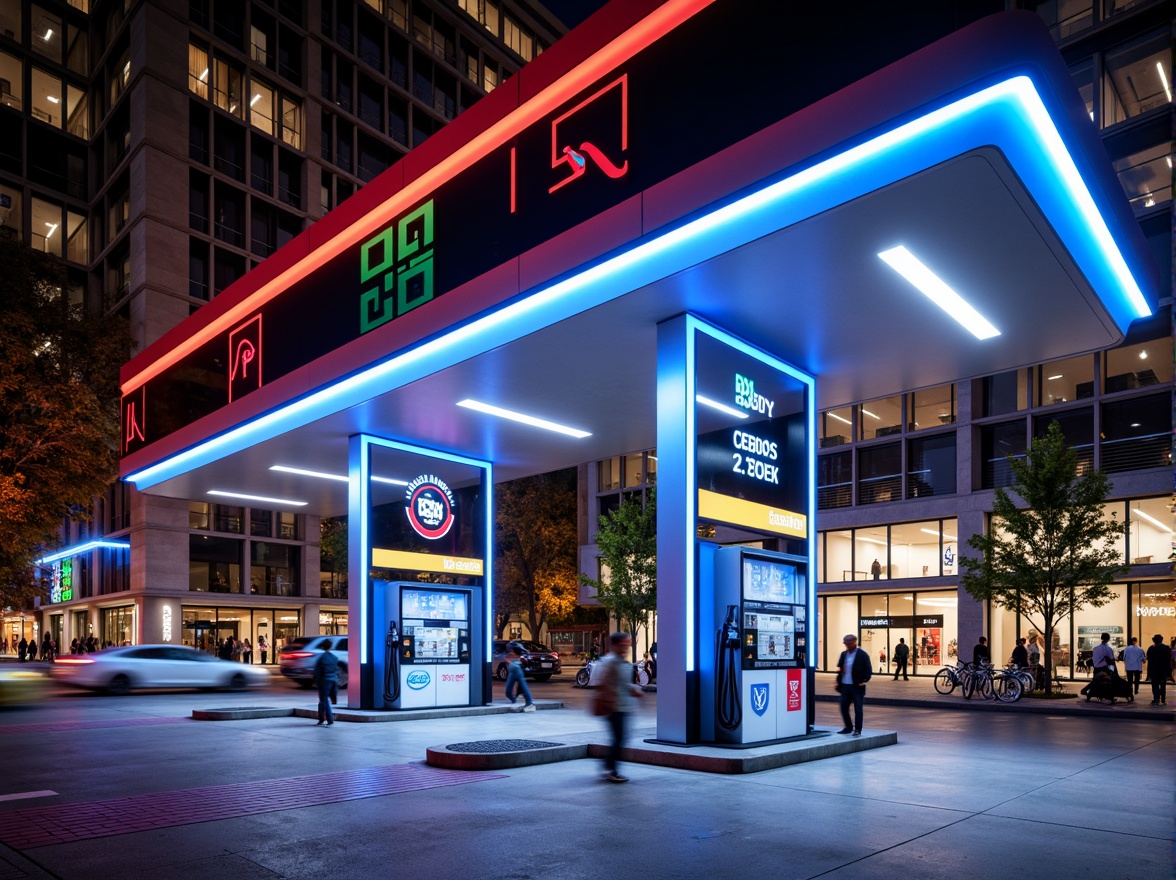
(751, 436)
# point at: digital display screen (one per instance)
(766, 581)
(774, 640)
(435, 642)
(434, 605)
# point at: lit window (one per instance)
(198, 71)
(261, 107)
(292, 122)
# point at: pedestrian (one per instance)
(22, 649)
(263, 647)
(1133, 657)
(33, 648)
(1020, 658)
(1159, 669)
(853, 671)
(225, 652)
(1104, 657)
(902, 653)
(614, 700)
(47, 648)
(516, 682)
(326, 676)
(980, 654)
(246, 652)
(876, 569)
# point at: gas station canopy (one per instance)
(949, 216)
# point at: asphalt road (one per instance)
(130, 787)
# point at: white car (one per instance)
(119, 670)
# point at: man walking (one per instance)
(853, 671)
(902, 653)
(617, 693)
(1133, 657)
(326, 676)
(1159, 669)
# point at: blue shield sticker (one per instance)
(759, 698)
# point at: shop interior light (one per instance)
(1159, 70)
(834, 415)
(1051, 378)
(49, 33)
(935, 289)
(1143, 355)
(256, 98)
(944, 602)
(53, 99)
(52, 229)
(262, 498)
(936, 534)
(870, 414)
(1135, 511)
(204, 75)
(721, 407)
(869, 540)
(535, 422)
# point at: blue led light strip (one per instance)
(1009, 115)
(83, 548)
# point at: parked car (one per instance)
(539, 662)
(120, 670)
(296, 660)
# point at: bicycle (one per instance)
(949, 678)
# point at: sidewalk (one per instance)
(920, 693)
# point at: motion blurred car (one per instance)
(121, 670)
(296, 660)
(539, 662)
(19, 687)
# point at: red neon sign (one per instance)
(576, 158)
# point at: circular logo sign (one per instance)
(430, 506)
(418, 679)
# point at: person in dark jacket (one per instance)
(1159, 670)
(902, 653)
(326, 676)
(980, 653)
(853, 671)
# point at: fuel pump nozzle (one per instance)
(392, 664)
(728, 704)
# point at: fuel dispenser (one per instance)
(755, 690)
(430, 651)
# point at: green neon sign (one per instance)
(396, 269)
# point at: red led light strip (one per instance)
(643, 34)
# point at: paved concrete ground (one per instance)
(961, 795)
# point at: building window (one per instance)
(1065, 17)
(517, 38)
(1003, 393)
(228, 518)
(47, 234)
(1138, 78)
(1136, 434)
(1147, 176)
(1077, 427)
(287, 525)
(834, 480)
(46, 33)
(227, 88)
(291, 122)
(1065, 381)
(118, 626)
(835, 426)
(261, 523)
(931, 466)
(214, 564)
(880, 418)
(932, 408)
(880, 473)
(47, 98)
(273, 569)
(11, 82)
(198, 71)
(261, 107)
(1083, 77)
(1138, 366)
(871, 561)
(997, 443)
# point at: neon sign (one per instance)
(430, 505)
(576, 158)
(245, 358)
(61, 589)
(167, 623)
(396, 269)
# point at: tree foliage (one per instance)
(627, 541)
(59, 409)
(1049, 550)
(535, 569)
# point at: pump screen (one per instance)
(435, 642)
(765, 581)
(774, 640)
(434, 605)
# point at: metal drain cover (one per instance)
(501, 745)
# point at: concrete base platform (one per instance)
(342, 713)
(823, 743)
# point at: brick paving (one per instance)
(66, 726)
(66, 823)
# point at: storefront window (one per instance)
(880, 418)
(1149, 530)
(118, 626)
(936, 635)
(1091, 623)
(1153, 611)
(332, 623)
(915, 549)
(871, 561)
(841, 618)
(839, 556)
(1061, 656)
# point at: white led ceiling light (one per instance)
(936, 289)
(1135, 511)
(341, 478)
(491, 410)
(261, 498)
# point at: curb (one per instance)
(361, 716)
(446, 757)
(1074, 707)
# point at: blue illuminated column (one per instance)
(380, 471)
(745, 421)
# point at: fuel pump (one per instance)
(728, 702)
(392, 664)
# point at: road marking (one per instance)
(25, 795)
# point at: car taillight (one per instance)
(298, 655)
(555, 654)
(74, 661)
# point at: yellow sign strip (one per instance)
(761, 517)
(402, 559)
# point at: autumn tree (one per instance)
(59, 409)
(627, 541)
(1049, 550)
(333, 549)
(535, 568)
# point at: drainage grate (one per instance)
(488, 746)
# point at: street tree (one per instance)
(1049, 549)
(535, 569)
(59, 410)
(627, 541)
